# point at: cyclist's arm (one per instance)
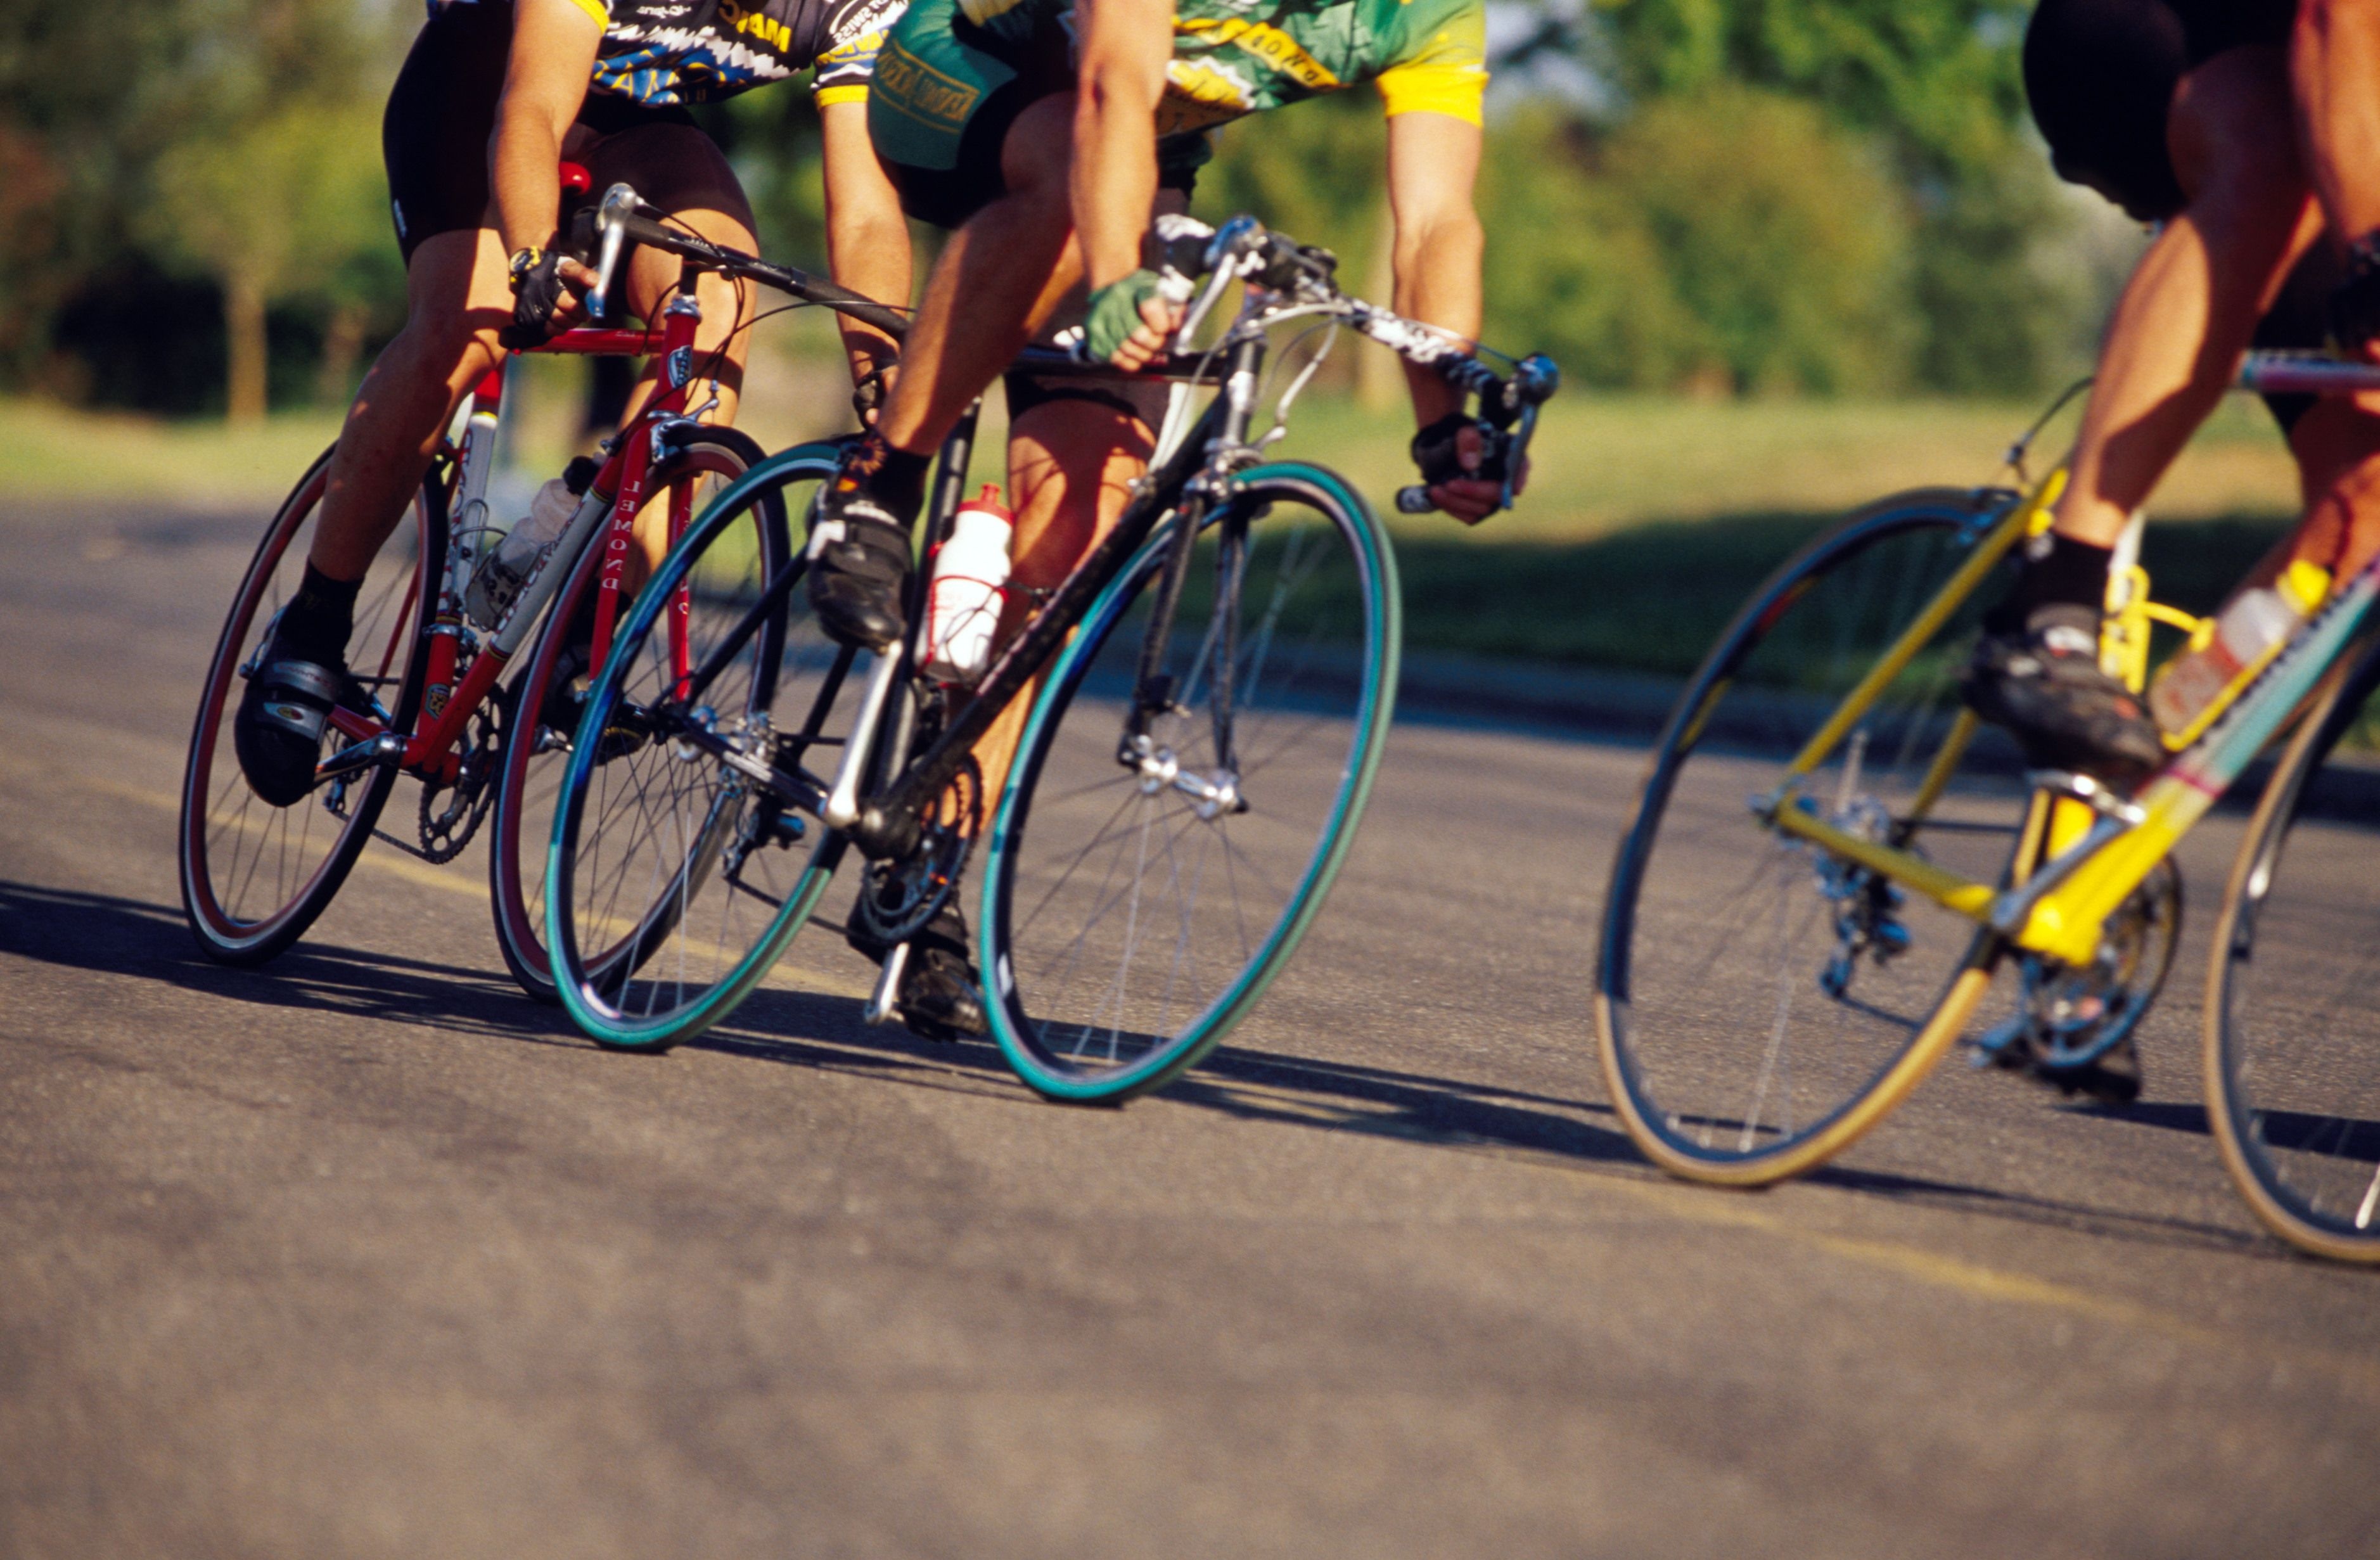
(545, 82)
(1125, 46)
(1433, 163)
(867, 240)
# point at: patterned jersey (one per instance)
(665, 52)
(1232, 57)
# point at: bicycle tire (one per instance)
(733, 555)
(2292, 1085)
(1681, 1077)
(521, 821)
(243, 908)
(1117, 1038)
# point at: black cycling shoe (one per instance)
(859, 569)
(2043, 684)
(941, 996)
(283, 714)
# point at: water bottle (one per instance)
(2250, 625)
(962, 602)
(506, 567)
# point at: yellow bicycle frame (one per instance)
(2093, 858)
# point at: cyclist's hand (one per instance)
(545, 298)
(1129, 320)
(871, 388)
(1448, 452)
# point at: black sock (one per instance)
(894, 479)
(316, 623)
(2057, 572)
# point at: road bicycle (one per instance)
(1788, 948)
(434, 703)
(1202, 705)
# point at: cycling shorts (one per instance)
(433, 138)
(943, 99)
(2101, 74)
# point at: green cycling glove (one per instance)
(1115, 313)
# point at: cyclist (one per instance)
(2180, 110)
(1047, 132)
(492, 96)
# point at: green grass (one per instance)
(1604, 463)
(1648, 522)
(1655, 597)
(47, 453)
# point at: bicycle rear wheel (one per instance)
(546, 697)
(1136, 907)
(2292, 1036)
(254, 877)
(1760, 1002)
(673, 880)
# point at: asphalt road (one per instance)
(363, 1254)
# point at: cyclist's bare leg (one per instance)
(459, 298)
(2337, 448)
(2334, 55)
(1006, 268)
(2193, 301)
(1071, 466)
(456, 299)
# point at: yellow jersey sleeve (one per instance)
(844, 71)
(1447, 73)
(596, 9)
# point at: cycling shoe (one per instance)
(283, 716)
(859, 569)
(941, 996)
(2043, 685)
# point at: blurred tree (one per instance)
(92, 99)
(1572, 270)
(1786, 241)
(289, 200)
(1938, 79)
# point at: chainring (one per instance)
(446, 829)
(897, 898)
(2069, 1016)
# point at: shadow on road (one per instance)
(1451, 1113)
(107, 935)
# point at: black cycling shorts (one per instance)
(2101, 74)
(433, 138)
(944, 96)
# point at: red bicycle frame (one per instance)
(430, 750)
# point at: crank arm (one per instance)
(371, 753)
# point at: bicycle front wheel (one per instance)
(673, 879)
(545, 700)
(1138, 900)
(254, 877)
(1761, 1002)
(2292, 1037)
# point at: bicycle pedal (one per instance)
(884, 1002)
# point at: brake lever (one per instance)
(620, 202)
